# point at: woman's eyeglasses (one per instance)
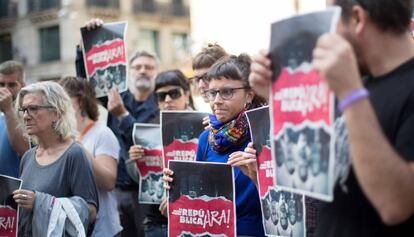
(197, 79)
(173, 94)
(225, 93)
(33, 109)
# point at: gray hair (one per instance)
(11, 67)
(54, 95)
(146, 54)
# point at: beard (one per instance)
(143, 83)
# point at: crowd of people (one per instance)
(52, 139)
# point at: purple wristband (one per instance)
(352, 97)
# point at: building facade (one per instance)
(43, 34)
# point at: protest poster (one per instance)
(105, 57)
(180, 131)
(151, 189)
(201, 199)
(9, 210)
(302, 106)
(283, 212)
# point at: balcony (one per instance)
(103, 8)
(8, 10)
(114, 4)
(174, 8)
(38, 6)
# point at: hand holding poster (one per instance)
(151, 189)
(180, 131)
(302, 106)
(104, 52)
(9, 211)
(201, 200)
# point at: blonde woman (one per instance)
(57, 165)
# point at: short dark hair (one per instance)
(11, 67)
(84, 92)
(388, 15)
(173, 78)
(208, 56)
(143, 53)
(235, 68)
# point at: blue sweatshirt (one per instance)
(248, 211)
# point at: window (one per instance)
(181, 46)
(148, 6)
(149, 40)
(42, 5)
(5, 47)
(49, 44)
(8, 9)
(178, 8)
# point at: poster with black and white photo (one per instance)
(151, 188)
(105, 57)
(302, 106)
(180, 131)
(284, 213)
(276, 221)
(201, 200)
(9, 210)
(259, 124)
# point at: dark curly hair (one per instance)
(83, 91)
(235, 68)
(208, 56)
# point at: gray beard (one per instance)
(143, 84)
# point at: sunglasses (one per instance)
(173, 94)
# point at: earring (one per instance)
(247, 105)
(54, 126)
(83, 113)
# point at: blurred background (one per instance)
(43, 34)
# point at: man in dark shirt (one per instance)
(136, 105)
(374, 195)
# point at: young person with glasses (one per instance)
(230, 96)
(172, 91)
(201, 64)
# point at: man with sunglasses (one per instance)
(12, 143)
(136, 105)
(369, 64)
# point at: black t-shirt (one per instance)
(351, 214)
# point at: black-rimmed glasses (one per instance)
(225, 93)
(33, 109)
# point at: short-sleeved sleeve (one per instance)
(82, 182)
(107, 144)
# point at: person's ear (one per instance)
(359, 19)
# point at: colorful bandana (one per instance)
(224, 136)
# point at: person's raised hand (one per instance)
(93, 23)
(260, 77)
(335, 60)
